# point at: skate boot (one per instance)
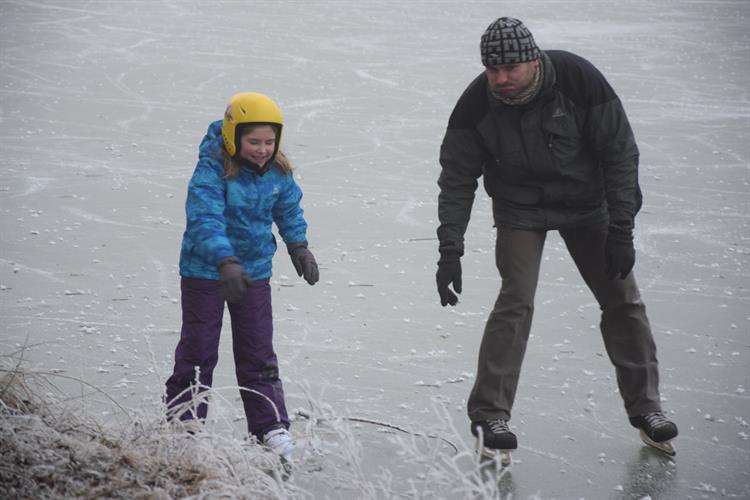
(656, 431)
(494, 439)
(281, 442)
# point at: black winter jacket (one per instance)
(566, 159)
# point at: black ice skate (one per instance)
(656, 431)
(494, 439)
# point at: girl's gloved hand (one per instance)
(303, 261)
(234, 280)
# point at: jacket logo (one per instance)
(558, 113)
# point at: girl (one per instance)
(241, 184)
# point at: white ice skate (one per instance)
(281, 442)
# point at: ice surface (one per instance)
(102, 106)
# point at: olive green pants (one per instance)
(624, 325)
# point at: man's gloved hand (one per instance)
(303, 261)
(449, 271)
(234, 280)
(619, 252)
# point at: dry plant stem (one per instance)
(18, 363)
(83, 382)
(401, 429)
(363, 420)
(200, 395)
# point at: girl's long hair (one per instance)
(232, 168)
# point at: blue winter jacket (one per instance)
(234, 217)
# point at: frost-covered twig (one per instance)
(388, 425)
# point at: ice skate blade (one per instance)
(504, 457)
(664, 447)
(287, 466)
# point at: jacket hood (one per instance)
(212, 143)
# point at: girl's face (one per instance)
(258, 144)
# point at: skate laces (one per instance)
(656, 419)
(498, 426)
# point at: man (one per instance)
(556, 152)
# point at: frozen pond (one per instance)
(102, 107)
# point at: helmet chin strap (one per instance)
(244, 162)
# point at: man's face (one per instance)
(511, 79)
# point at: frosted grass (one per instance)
(54, 448)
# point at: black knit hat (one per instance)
(507, 41)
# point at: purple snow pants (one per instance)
(255, 362)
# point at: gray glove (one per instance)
(234, 280)
(303, 261)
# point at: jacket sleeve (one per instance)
(462, 157)
(615, 148)
(462, 162)
(206, 226)
(607, 132)
(288, 214)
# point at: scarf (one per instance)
(527, 94)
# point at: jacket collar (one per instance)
(550, 78)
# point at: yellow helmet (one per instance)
(249, 107)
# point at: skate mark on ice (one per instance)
(36, 184)
(367, 76)
(41, 272)
(403, 216)
(704, 392)
(556, 458)
(101, 220)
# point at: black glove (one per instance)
(449, 271)
(619, 252)
(303, 261)
(234, 280)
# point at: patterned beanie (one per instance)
(507, 41)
